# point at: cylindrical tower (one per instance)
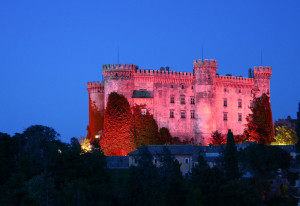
(205, 93)
(96, 108)
(118, 78)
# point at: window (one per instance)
(186, 160)
(171, 85)
(225, 102)
(240, 117)
(192, 100)
(268, 92)
(182, 114)
(171, 113)
(171, 99)
(155, 161)
(182, 99)
(192, 87)
(192, 114)
(239, 103)
(225, 114)
(239, 91)
(251, 103)
(225, 90)
(134, 161)
(143, 111)
(182, 86)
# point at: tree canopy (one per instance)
(260, 126)
(118, 136)
(285, 136)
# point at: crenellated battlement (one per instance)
(166, 74)
(206, 62)
(118, 66)
(234, 80)
(94, 87)
(262, 69)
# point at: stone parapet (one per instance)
(94, 87)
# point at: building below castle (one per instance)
(190, 105)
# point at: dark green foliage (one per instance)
(230, 158)
(263, 161)
(239, 192)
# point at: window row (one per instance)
(182, 86)
(225, 103)
(183, 114)
(225, 116)
(182, 99)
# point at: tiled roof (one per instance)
(174, 149)
(117, 162)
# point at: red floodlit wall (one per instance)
(190, 105)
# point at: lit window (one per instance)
(239, 103)
(192, 100)
(143, 111)
(225, 102)
(182, 114)
(182, 99)
(225, 114)
(171, 114)
(171, 99)
(186, 160)
(240, 117)
(192, 114)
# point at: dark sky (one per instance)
(49, 50)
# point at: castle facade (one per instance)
(190, 105)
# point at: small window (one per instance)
(143, 111)
(239, 91)
(225, 102)
(186, 160)
(182, 99)
(182, 114)
(172, 99)
(192, 114)
(192, 100)
(240, 117)
(192, 87)
(251, 103)
(182, 86)
(225, 90)
(134, 161)
(239, 103)
(116, 74)
(225, 114)
(171, 114)
(171, 85)
(268, 92)
(155, 161)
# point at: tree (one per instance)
(118, 136)
(145, 128)
(165, 136)
(217, 138)
(230, 158)
(285, 136)
(263, 161)
(260, 126)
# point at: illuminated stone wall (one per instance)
(191, 105)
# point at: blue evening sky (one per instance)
(49, 50)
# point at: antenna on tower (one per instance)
(261, 57)
(202, 51)
(118, 55)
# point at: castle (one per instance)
(190, 105)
